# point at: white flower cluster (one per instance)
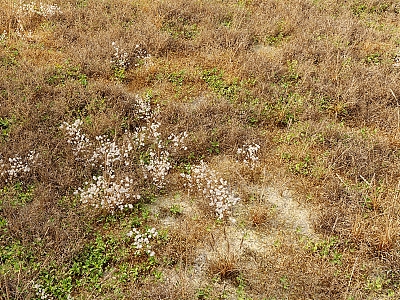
(105, 192)
(48, 10)
(158, 166)
(142, 240)
(41, 292)
(143, 109)
(120, 58)
(108, 153)
(27, 10)
(17, 166)
(178, 139)
(141, 54)
(214, 189)
(45, 10)
(108, 195)
(78, 140)
(157, 162)
(248, 153)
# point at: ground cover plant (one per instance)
(200, 149)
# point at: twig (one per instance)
(334, 225)
(366, 181)
(6, 285)
(341, 180)
(241, 242)
(351, 277)
(261, 199)
(212, 242)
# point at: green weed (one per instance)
(214, 147)
(177, 78)
(17, 194)
(284, 282)
(374, 58)
(181, 28)
(303, 167)
(214, 79)
(62, 73)
(5, 127)
(204, 293)
(14, 258)
(327, 249)
(9, 58)
(278, 36)
(120, 74)
(175, 209)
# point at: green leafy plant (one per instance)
(374, 58)
(278, 36)
(214, 148)
(5, 127)
(175, 209)
(303, 167)
(15, 257)
(120, 74)
(284, 282)
(85, 270)
(64, 72)
(17, 195)
(327, 249)
(204, 293)
(181, 28)
(9, 59)
(214, 79)
(177, 78)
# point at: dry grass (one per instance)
(314, 83)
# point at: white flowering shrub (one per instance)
(138, 156)
(107, 191)
(216, 190)
(248, 154)
(41, 292)
(41, 9)
(122, 59)
(155, 160)
(78, 140)
(17, 166)
(158, 166)
(140, 54)
(144, 110)
(107, 194)
(27, 11)
(142, 240)
(157, 163)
